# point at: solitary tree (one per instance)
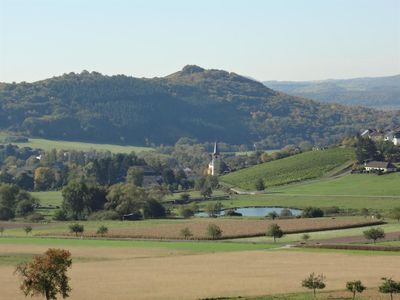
(76, 228)
(273, 215)
(27, 229)
(314, 282)
(305, 237)
(355, 287)
(275, 231)
(374, 234)
(46, 274)
(102, 230)
(260, 186)
(214, 231)
(389, 286)
(186, 233)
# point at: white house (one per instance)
(381, 166)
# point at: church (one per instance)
(211, 165)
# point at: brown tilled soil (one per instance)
(197, 276)
(230, 227)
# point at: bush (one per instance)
(260, 186)
(286, 213)
(214, 232)
(103, 215)
(374, 234)
(76, 228)
(60, 215)
(153, 209)
(334, 210)
(232, 213)
(312, 212)
(186, 212)
(35, 217)
(186, 233)
(102, 230)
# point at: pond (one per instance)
(255, 211)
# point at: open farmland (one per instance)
(349, 185)
(48, 145)
(300, 167)
(170, 229)
(119, 273)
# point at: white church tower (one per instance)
(211, 165)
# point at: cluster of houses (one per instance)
(388, 134)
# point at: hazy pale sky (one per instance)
(264, 39)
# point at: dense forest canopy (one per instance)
(204, 104)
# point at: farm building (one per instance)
(380, 166)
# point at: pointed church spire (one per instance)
(216, 150)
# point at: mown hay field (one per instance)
(231, 228)
(300, 167)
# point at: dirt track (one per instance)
(210, 275)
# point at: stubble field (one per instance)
(145, 273)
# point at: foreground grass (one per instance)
(300, 167)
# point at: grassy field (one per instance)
(352, 184)
(373, 203)
(79, 146)
(304, 166)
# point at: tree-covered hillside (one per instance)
(204, 104)
(378, 92)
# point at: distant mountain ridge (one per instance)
(377, 92)
(204, 104)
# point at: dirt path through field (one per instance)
(214, 274)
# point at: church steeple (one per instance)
(216, 150)
(214, 157)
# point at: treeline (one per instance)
(198, 103)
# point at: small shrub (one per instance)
(389, 286)
(260, 185)
(186, 233)
(35, 217)
(286, 213)
(333, 210)
(374, 234)
(274, 231)
(102, 230)
(76, 228)
(1, 230)
(28, 229)
(60, 215)
(305, 237)
(103, 215)
(273, 215)
(214, 231)
(312, 212)
(314, 282)
(355, 287)
(186, 212)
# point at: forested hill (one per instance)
(378, 92)
(204, 104)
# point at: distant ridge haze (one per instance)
(377, 92)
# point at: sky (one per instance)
(264, 39)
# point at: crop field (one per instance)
(78, 146)
(170, 229)
(300, 167)
(121, 272)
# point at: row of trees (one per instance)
(317, 282)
